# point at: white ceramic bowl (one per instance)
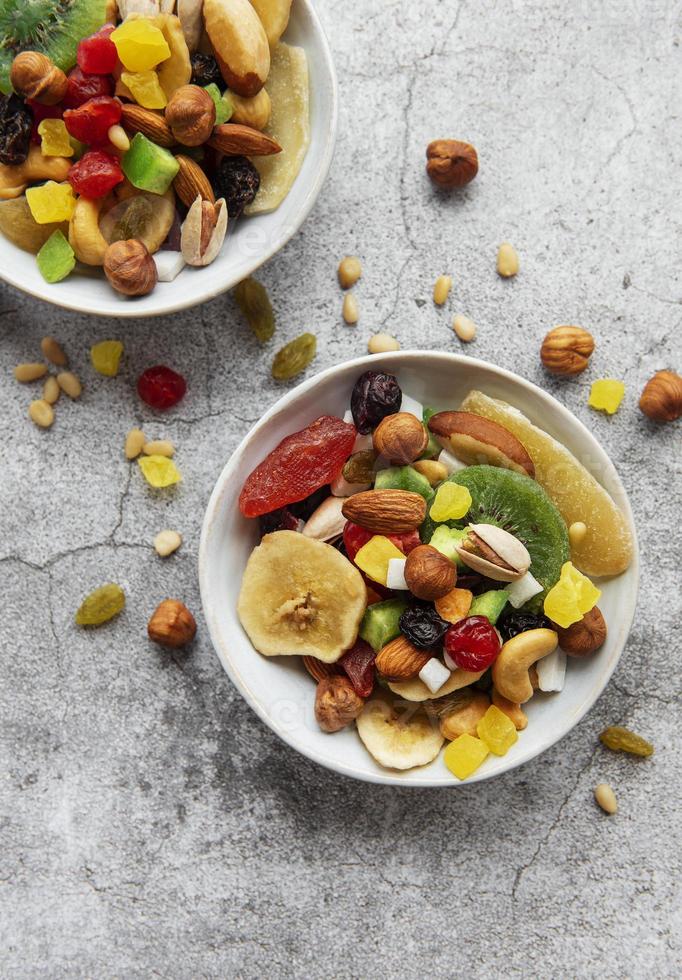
(278, 688)
(250, 242)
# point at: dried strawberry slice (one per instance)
(358, 663)
(299, 465)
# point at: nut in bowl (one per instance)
(475, 621)
(239, 113)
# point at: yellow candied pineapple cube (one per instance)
(51, 202)
(54, 138)
(606, 395)
(145, 88)
(159, 471)
(105, 357)
(497, 730)
(465, 755)
(572, 596)
(451, 502)
(140, 45)
(373, 557)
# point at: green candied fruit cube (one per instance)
(149, 167)
(223, 104)
(56, 258)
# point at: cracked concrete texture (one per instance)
(150, 825)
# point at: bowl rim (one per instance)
(285, 234)
(280, 407)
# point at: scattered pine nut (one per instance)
(69, 384)
(350, 309)
(135, 440)
(52, 350)
(441, 289)
(606, 798)
(41, 413)
(29, 372)
(166, 542)
(159, 447)
(507, 261)
(118, 137)
(349, 271)
(51, 390)
(464, 328)
(381, 343)
(576, 533)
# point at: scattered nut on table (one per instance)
(464, 328)
(606, 798)
(381, 343)
(166, 542)
(172, 624)
(441, 289)
(349, 271)
(451, 163)
(507, 261)
(566, 350)
(661, 399)
(350, 309)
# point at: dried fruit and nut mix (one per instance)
(416, 556)
(125, 147)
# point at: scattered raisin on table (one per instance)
(620, 739)
(237, 180)
(205, 70)
(16, 123)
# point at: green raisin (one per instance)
(623, 740)
(254, 302)
(294, 357)
(101, 605)
(133, 221)
(359, 468)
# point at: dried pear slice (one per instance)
(396, 738)
(156, 227)
(300, 597)
(19, 226)
(289, 124)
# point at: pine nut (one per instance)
(507, 260)
(349, 272)
(350, 309)
(69, 384)
(29, 372)
(159, 447)
(381, 343)
(576, 533)
(41, 413)
(51, 390)
(464, 328)
(135, 440)
(606, 798)
(166, 542)
(434, 471)
(441, 289)
(52, 350)
(118, 137)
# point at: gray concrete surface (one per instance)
(149, 824)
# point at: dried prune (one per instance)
(304, 509)
(422, 626)
(205, 71)
(375, 395)
(620, 739)
(512, 623)
(237, 180)
(16, 123)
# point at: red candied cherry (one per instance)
(472, 644)
(95, 174)
(83, 87)
(161, 387)
(91, 121)
(97, 54)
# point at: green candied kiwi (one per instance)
(381, 622)
(519, 505)
(433, 447)
(403, 478)
(489, 604)
(222, 103)
(445, 539)
(56, 259)
(149, 167)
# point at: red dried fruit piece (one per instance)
(97, 54)
(472, 643)
(91, 121)
(161, 387)
(300, 464)
(95, 174)
(41, 112)
(354, 537)
(83, 87)
(358, 663)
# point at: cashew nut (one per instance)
(14, 179)
(85, 238)
(512, 710)
(510, 670)
(464, 718)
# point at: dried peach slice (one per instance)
(475, 439)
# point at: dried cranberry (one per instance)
(375, 395)
(358, 663)
(277, 520)
(205, 70)
(512, 623)
(161, 387)
(472, 643)
(16, 123)
(95, 174)
(91, 121)
(237, 180)
(422, 626)
(83, 87)
(354, 537)
(97, 54)
(300, 464)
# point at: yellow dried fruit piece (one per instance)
(572, 596)
(497, 730)
(105, 357)
(606, 395)
(51, 202)
(159, 471)
(450, 503)
(101, 605)
(465, 755)
(54, 138)
(373, 557)
(145, 88)
(176, 69)
(140, 44)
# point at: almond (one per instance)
(135, 119)
(318, 669)
(474, 439)
(385, 511)
(428, 573)
(401, 438)
(191, 181)
(400, 660)
(233, 139)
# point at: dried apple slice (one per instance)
(475, 440)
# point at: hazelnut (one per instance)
(191, 115)
(130, 268)
(400, 438)
(428, 573)
(661, 399)
(336, 703)
(172, 624)
(566, 350)
(584, 637)
(33, 76)
(451, 163)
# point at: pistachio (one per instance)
(203, 231)
(327, 522)
(494, 552)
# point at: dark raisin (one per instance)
(205, 71)
(303, 509)
(512, 623)
(16, 123)
(422, 626)
(237, 180)
(278, 520)
(375, 395)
